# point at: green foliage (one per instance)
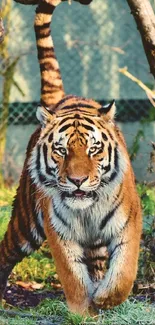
(6, 195)
(150, 118)
(146, 260)
(133, 150)
(36, 267)
(4, 219)
(147, 196)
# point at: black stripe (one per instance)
(41, 34)
(89, 120)
(3, 254)
(38, 159)
(116, 166)
(32, 199)
(25, 228)
(76, 116)
(106, 168)
(65, 127)
(113, 176)
(63, 100)
(48, 66)
(116, 158)
(41, 177)
(103, 128)
(91, 259)
(54, 160)
(15, 241)
(83, 112)
(48, 169)
(60, 217)
(115, 248)
(26, 233)
(45, 8)
(49, 85)
(104, 136)
(20, 206)
(109, 151)
(41, 27)
(65, 120)
(88, 127)
(45, 52)
(5, 243)
(78, 105)
(50, 138)
(110, 214)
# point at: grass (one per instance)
(40, 268)
(55, 311)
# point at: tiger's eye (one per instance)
(62, 151)
(93, 149)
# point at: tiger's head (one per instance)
(80, 151)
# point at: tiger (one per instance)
(77, 190)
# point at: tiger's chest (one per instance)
(100, 222)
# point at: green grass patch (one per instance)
(56, 312)
(16, 321)
(129, 313)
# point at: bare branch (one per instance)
(126, 73)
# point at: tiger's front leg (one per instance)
(73, 274)
(117, 284)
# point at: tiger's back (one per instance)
(77, 189)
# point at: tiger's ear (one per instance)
(44, 116)
(108, 110)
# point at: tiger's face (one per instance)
(76, 154)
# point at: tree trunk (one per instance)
(145, 19)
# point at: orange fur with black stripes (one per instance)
(77, 189)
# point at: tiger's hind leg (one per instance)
(13, 249)
(23, 236)
(10, 254)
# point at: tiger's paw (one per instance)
(106, 299)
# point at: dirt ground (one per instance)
(17, 296)
(20, 297)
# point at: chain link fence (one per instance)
(127, 111)
(92, 43)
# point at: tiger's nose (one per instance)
(77, 180)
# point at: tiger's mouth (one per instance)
(78, 194)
